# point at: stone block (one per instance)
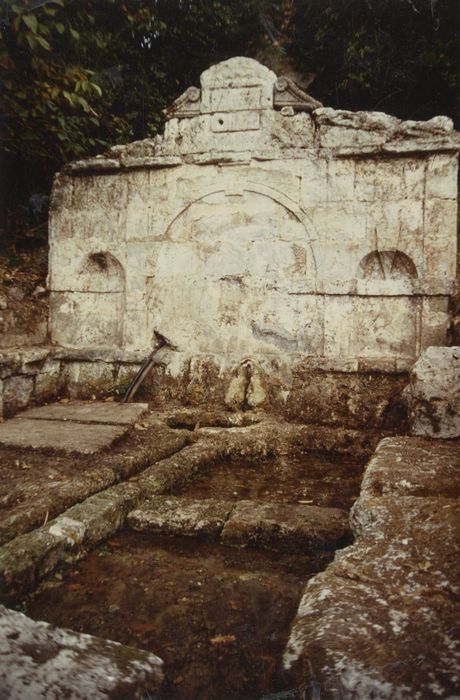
(440, 238)
(97, 318)
(83, 379)
(434, 321)
(434, 393)
(49, 381)
(412, 466)
(441, 176)
(41, 660)
(285, 527)
(384, 327)
(181, 516)
(17, 393)
(336, 137)
(379, 180)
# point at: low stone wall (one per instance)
(358, 395)
(27, 374)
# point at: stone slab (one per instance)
(413, 466)
(39, 660)
(59, 435)
(94, 412)
(278, 526)
(181, 516)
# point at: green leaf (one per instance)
(60, 27)
(96, 88)
(74, 33)
(43, 43)
(32, 41)
(31, 22)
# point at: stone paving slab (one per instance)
(60, 435)
(94, 412)
(39, 660)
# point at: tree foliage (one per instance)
(79, 75)
(398, 56)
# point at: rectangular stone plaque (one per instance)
(234, 99)
(237, 121)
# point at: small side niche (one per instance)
(387, 264)
(102, 272)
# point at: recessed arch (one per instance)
(387, 264)
(101, 271)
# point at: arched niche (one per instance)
(385, 313)
(387, 265)
(98, 304)
(100, 271)
(223, 276)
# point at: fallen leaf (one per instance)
(143, 626)
(223, 639)
(74, 586)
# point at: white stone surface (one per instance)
(243, 232)
(38, 660)
(434, 393)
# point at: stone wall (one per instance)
(261, 230)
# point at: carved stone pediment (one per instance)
(187, 105)
(287, 94)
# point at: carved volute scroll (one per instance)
(287, 94)
(187, 105)
(240, 84)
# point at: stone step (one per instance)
(273, 526)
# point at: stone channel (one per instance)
(147, 555)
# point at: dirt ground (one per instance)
(218, 617)
(319, 479)
(23, 296)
